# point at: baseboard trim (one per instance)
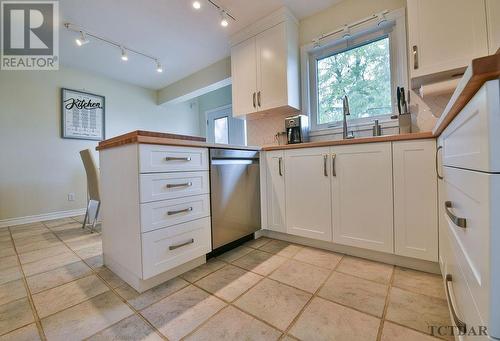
(41, 217)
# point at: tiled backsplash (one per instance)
(261, 131)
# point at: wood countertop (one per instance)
(478, 72)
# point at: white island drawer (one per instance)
(472, 140)
(163, 186)
(159, 158)
(167, 248)
(159, 214)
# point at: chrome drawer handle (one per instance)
(189, 209)
(173, 247)
(171, 158)
(325, 165)
(415, 57)
(459, 323)
(460, 222)
(440, 177)
(334, 172)
(186, 184)
(280, 163)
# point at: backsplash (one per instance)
(261, 131)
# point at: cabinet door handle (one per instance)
(460, 222)
(440, 177)
(415, 57)
(334, 172)
(258, 98)
(176, 246)
(280, 165)
(186, 184)
(325, 165)
(171, 158)
(254, 100)
(459, 323)
(189, 209)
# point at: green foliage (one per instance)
(363, 74)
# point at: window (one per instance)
(221, 131)
(363, 74)
(367, 66)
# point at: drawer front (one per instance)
(167, 248)
(460, 299)
(163, 186)
(159, 214)
(158, 158)
(472, 140)
(469, 195)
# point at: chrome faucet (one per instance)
(345, 108)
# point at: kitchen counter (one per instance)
(148, 137)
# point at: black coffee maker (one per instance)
(297, 129)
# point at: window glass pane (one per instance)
(221, 131)
(363, 74)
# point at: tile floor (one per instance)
(53, 286)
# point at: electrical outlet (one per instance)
(71, 196)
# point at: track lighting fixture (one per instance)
(223, 19)
(224, 14)
(82, 39)
(124, 54)
(159, 68)
(196, 5)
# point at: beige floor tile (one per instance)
(318, 257)
(417, 311)
(203, 270)
(419, 282)
(140, 301)
(45, 236)
(229, 282)
(58, 222)
(355, 292)
(260, 262)
(232, 324)
(59, 276)
(79, 218)
(51, 263)
(273, 302)
(26, 333)
(256, 243)
(301, 275)
(234, 254)
(110, 277)
(56, 299)
(324, 320)
(281, 248)
(10, 274)
(73, 234)
(66, 227)
(131, 328)
(4, 237)
(12, 291)
(86, 318)
(393, 332)
(94, 262)
(179, 314)
(90, 251)
(8, 262)
(92, 240)
(36, 255)
(14, 315)
(34, 232)
(7, 250)
(374, 271)
(38, 244)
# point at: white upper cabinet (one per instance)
(415, 199)
(265, 67)
(362, 196)
(493, 19)
(307, 182)
(275, 191)
(445, 35)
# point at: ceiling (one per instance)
(183, 39)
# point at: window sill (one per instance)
(364, 129)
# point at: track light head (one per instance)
(196, 5)
(124, 55)
(223, 19)
(82, 39)
(159, 68)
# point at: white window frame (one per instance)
(395, 30)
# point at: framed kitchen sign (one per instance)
(82, 115)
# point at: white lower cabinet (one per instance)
(275, 192)
(415, 199)
(307, 183)
(362, 196)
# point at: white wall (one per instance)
(37, 167)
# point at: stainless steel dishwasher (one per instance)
(234, 194)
